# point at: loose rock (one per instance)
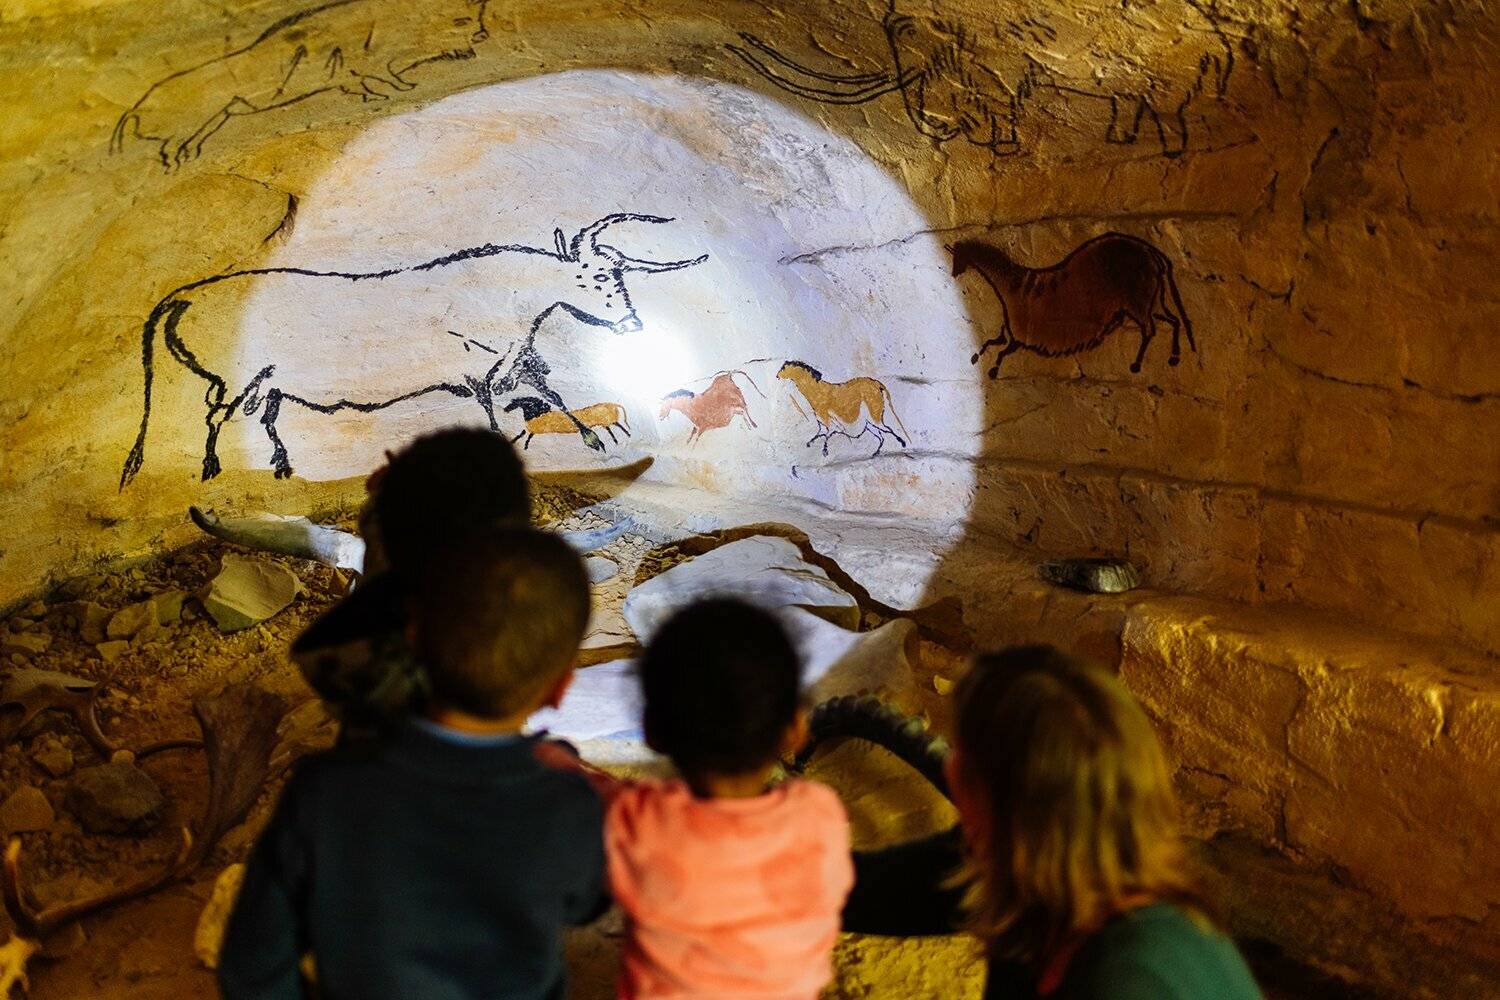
(130, 619)
(115, 798)
(168, 606)
(56, 761)
(93, 618)
(109, 652)
(601, 569)
(248, 591)
(25, 643)
(26, 809)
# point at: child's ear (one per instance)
(796, 734)
(558, 690)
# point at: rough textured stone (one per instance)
(247, 591)
(600, 568)
(168, 606)
(56, 761)
(208, 936)
(114, 798)
(129, 620)
(1359, 751)
(93, 621)
(24, 810)
(25, 643)
(765, 570)
(109, 652)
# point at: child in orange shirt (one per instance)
(731, 889)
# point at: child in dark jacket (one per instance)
(441, 860)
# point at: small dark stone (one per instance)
(115, 798)
(1092, 576)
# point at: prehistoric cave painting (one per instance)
(441, 304)
(1050, 53)
(838, 406)
(947, 91)
(1072, 306)
(712, 408)
(362, 49)
(541, 418)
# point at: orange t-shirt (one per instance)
(728, 899)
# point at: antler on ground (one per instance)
(239, 732)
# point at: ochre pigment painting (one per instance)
(1074, 305)
(839, 407)
(714, 407)
(445, 307)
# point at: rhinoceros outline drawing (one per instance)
(599, 296)
(335, 47)
(950, 91)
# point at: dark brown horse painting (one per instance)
(1075, 304)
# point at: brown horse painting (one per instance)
(1076, 303)
(838, 406)
(712, 408)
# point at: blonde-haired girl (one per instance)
(1073, 871)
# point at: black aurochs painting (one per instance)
(439, 311)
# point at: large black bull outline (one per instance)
(455, 316)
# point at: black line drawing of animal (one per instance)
(712, 408)
(358, 48)
(1073, 305)
(1053, 51)
(947, 92)
(446, 300)
(843, 403)
(541, 418)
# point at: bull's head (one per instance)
(602, 269)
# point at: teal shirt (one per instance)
(1157, 953)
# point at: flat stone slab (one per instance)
(24, 810)
(764, 570)
(117, 797)
(248, 591)
(25, 643)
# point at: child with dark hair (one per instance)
(441, 485)
(444, 861)
(731, 888)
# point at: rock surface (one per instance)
(248, 591)
(24, 644)
(117, 797)
(56, 761)
(765, 570)
(208, 936)
(25, 810)
(125, 623)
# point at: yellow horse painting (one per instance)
(838, 406)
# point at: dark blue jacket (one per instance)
(418, 867)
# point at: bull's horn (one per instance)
(591, 232)
(626, 263)
(562, 245)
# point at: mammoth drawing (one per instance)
(440, 312)
(361, 49)
(959, 78)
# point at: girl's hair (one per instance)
(1080, 821)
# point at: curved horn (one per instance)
(562, 245)
(591, 232)
(626, 263)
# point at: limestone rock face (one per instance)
(248, 591)
(1367, 753)
(766, 571)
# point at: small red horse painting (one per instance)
(712, 408)
(1075, 304)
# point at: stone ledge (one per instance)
(1336, 746)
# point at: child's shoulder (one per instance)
(814, 797)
